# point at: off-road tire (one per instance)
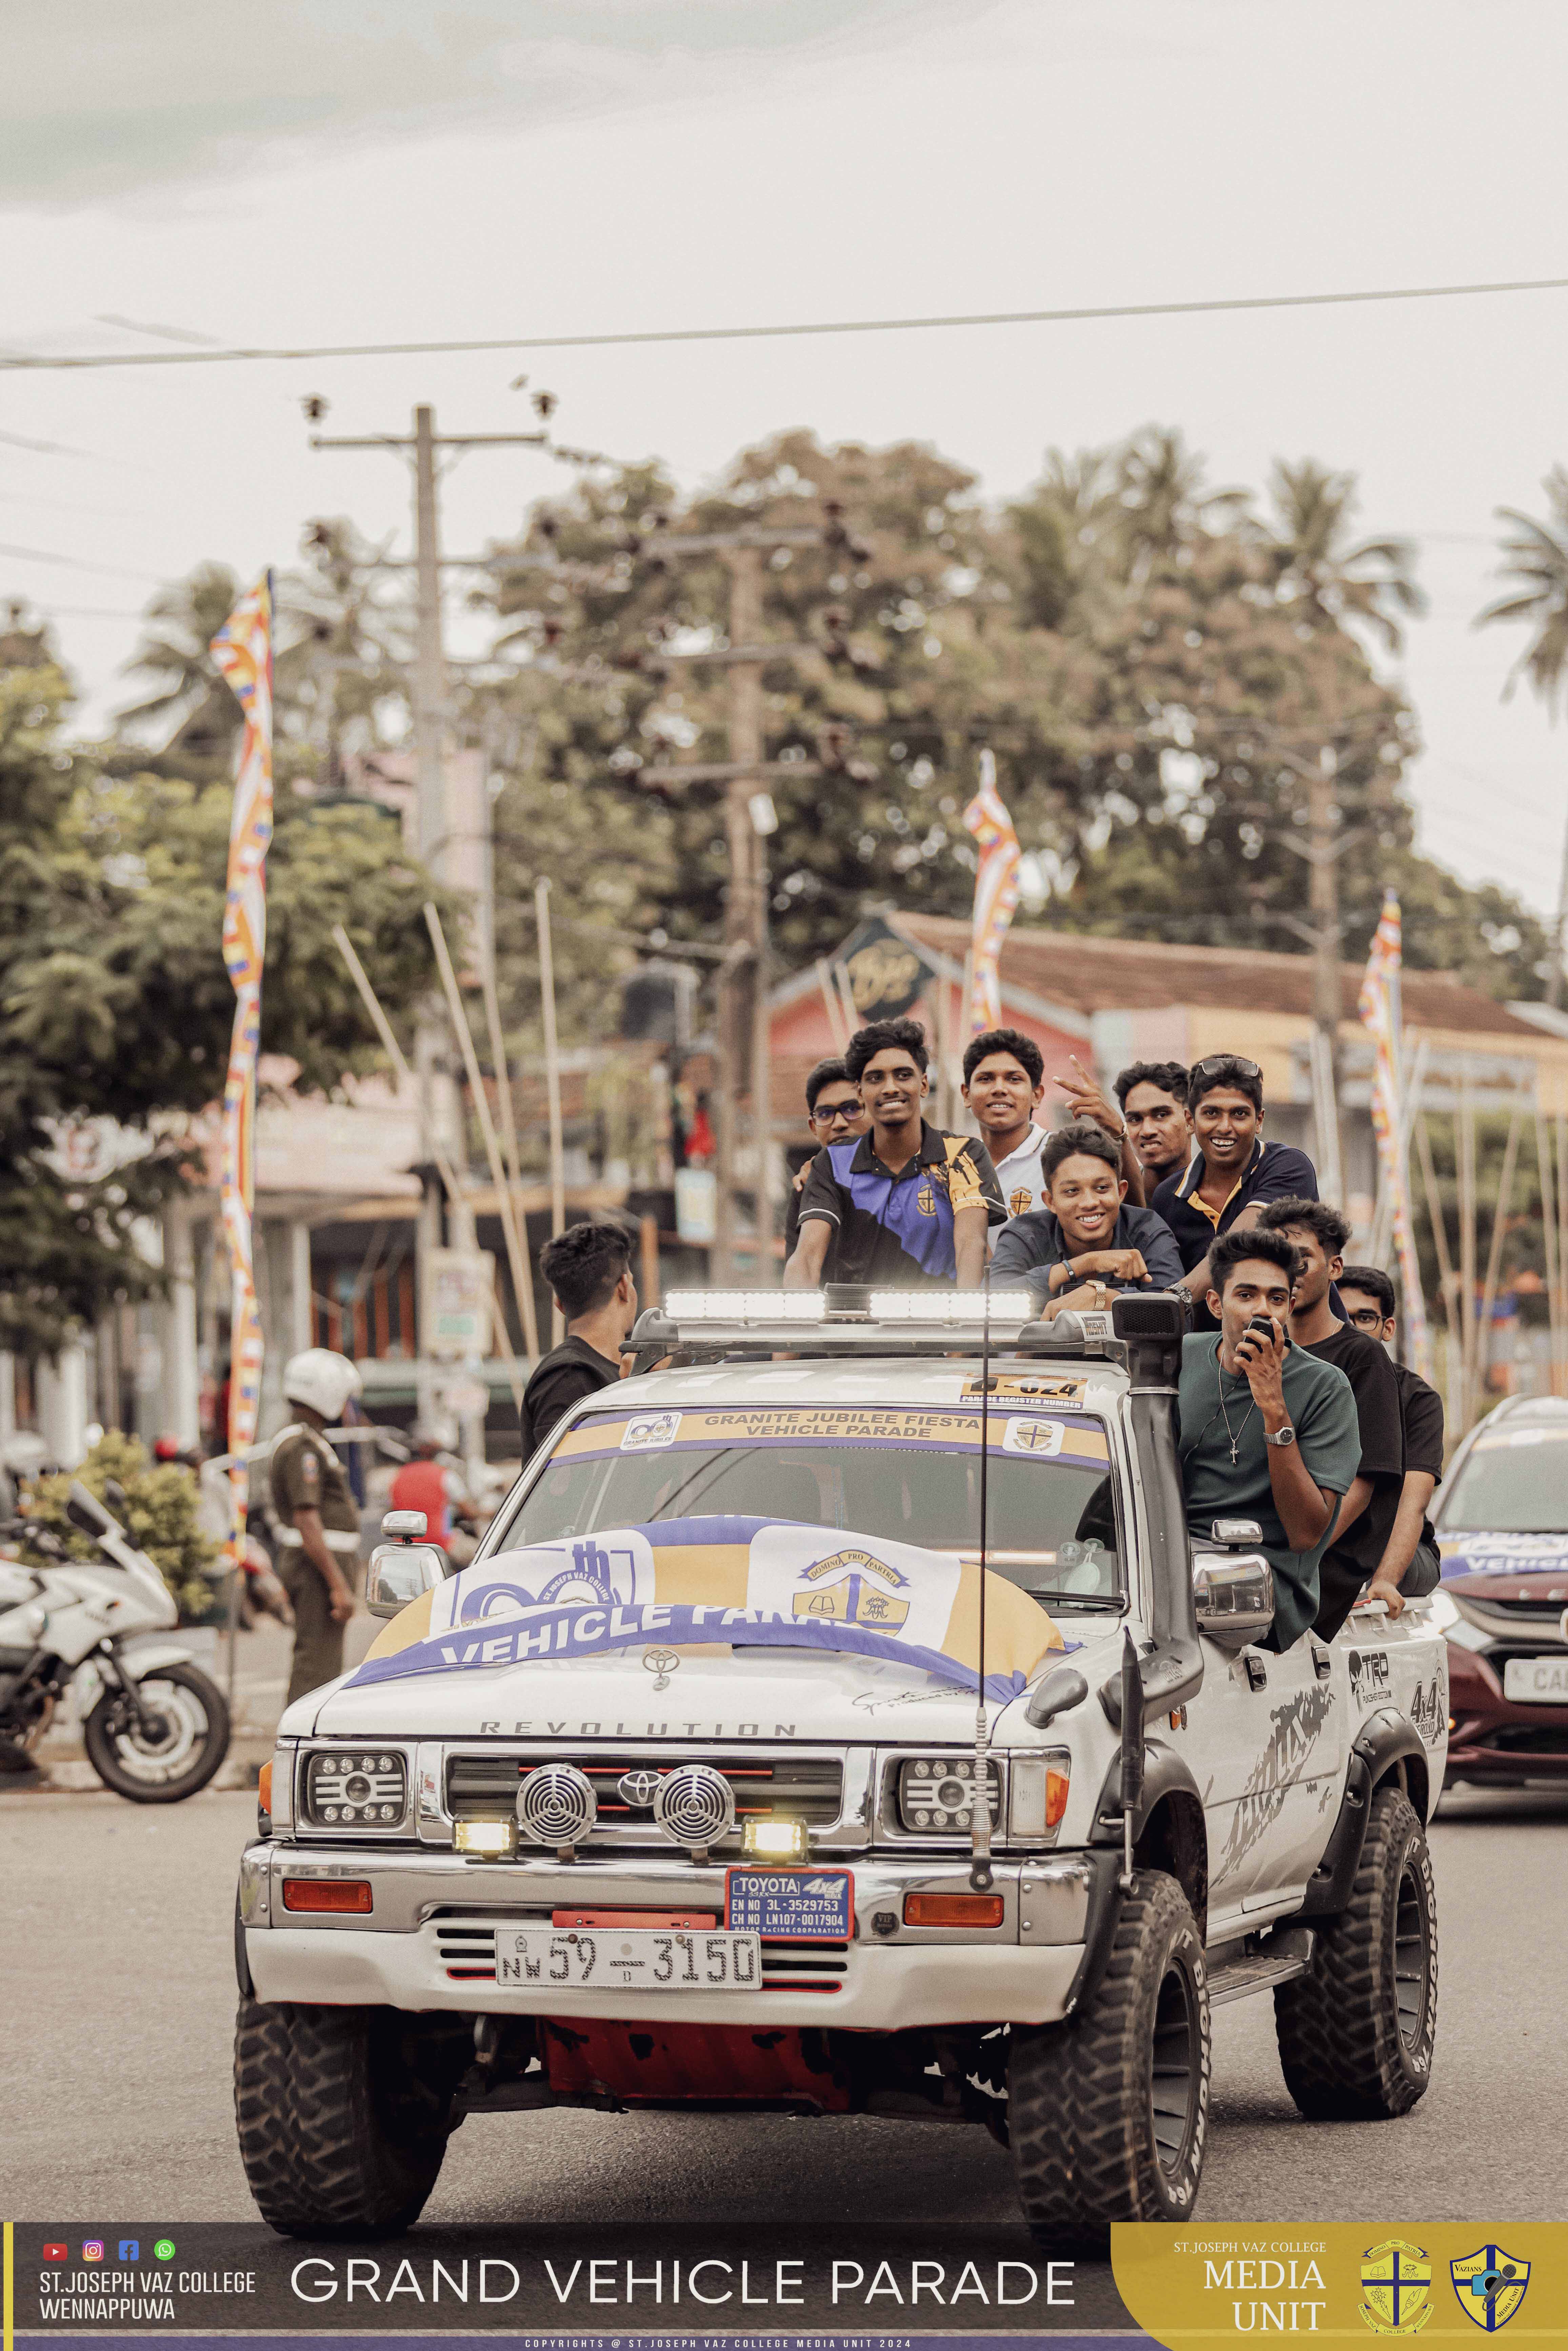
(343, 2114)
(1089, 2144)
(1356, 2031)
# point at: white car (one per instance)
(673, 1794)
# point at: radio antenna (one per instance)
(980, 1805)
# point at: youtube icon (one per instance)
(56, 2253)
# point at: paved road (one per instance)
(115, 1956)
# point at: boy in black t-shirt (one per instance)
(589, 1269)
(1411, 1567)
(1365, 1521)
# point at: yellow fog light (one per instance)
(776, 1840)
(494, 1839)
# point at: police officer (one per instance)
(317, 1524)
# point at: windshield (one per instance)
(1515, 1483)
(904, 1475)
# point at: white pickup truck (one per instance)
(672, 1795)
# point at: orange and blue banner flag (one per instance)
(243, 651)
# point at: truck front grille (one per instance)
(786, 1784)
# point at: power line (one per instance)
(21, 362)
(72, 562)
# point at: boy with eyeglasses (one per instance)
(1233, 1174)
(1411, 1566)
(834, 1108)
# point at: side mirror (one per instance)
(85, 1511)
(400, 1572)
(1236, 1534)
(1062, 1689)
(405, 1526)
(1233, 1599)
(114, 1494)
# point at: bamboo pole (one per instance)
(516, 1254)
(1465, 1156)
(1562, 1188)
(1500, 1219)
(552, 1085)
(509, 1141)
(1543, 1176)
(834, 1002)
(843, 982)
(1447, 1277)
(394, 1051)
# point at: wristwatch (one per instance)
(1286, 1436)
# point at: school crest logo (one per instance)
(1017, 1202)
(926, 1200)
(1490, 2285)
(1395, 2288)
(853, 1599)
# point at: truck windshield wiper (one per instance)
(1111, 1603)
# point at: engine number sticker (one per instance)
(794, 1905)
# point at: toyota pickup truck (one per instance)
(842, 1721)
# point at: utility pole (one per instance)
(429, 709)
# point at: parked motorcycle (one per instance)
(155, 1726)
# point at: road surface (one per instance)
(116, 1956)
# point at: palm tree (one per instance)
(342, 646)
(1535, 554)
(1162, 501)
(1308, 538)
(193, 696)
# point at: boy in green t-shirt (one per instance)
(1267, 1432)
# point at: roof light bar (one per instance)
(950, 1306)
(745, 1305)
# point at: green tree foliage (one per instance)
(159, 1514)
(114, 1003)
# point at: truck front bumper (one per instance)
(428, 1941)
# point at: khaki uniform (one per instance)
(305, 1473)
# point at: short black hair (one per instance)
(1228, 1071)
(880, 1037)
(1234, 1248)
(583, 1265)
(1170, 1076)
(1023, 1050)
(1327, 1227)
(1082, 1139)
(1374, 1281)
(827, 1073)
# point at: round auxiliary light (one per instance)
(695, 1804)
(557, 1805)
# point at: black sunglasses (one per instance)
(1218, 1062)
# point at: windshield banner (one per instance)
(1487, 1554)
(751, 1582)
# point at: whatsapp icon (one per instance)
(163, 2251)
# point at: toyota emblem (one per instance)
(661, 1662)
(639, 1789)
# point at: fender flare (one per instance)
(1164, 1774)
(1384, 1741)
(135, 1664)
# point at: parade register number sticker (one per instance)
(637, 1959)
(1540, 1680)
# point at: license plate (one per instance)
(629, 1959)
(796, 1905)
(1536, 1681)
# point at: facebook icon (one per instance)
(129, 2248)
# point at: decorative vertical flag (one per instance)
(1379, 1004)
(996, 893)
(243, 651)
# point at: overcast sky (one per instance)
(374, 170)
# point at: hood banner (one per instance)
(749, 1583)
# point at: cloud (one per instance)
(98, 100)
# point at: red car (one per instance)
(1502, 1529)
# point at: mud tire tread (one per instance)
(1338, 2030)
(1084, 2151)
(318, 2153)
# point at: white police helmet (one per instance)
(322, 1380)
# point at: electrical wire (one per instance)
(19, 362)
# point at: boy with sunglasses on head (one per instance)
(1233, 1174)
(834, 1108)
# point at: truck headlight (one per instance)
(363, 1787)
(937, 1792)
(1038, 1787)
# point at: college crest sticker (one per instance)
(1395, 2288)
(853, 1599)
(1490, 2285)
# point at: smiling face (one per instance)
(893, 1086)
(1086, 1196)
(1002, 1095)
(1226, 1124)
(1160, 1129)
